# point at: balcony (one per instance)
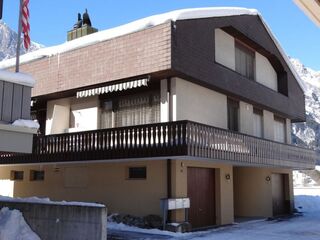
(175, 140)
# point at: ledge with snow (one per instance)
(16, 128)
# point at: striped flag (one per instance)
(25, 24)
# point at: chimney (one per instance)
(82, 27)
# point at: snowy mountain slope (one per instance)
(8, 42)
(308, 133)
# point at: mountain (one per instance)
(308, 133)
(8, 42)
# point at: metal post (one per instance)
(19, 37)
(1, 7)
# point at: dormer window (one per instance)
(245, 60)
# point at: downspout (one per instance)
(169, 180)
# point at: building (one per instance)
(311, 8)
(193, 103)
(16, 129)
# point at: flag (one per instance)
(25, 23)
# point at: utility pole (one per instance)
(1, 7)
(19, 37)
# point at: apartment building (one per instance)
(16, 128)
(195, 103)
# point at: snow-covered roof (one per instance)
(18, 78)
(183, 14)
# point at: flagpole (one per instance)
(19, 37)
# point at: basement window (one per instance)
(137, 173)
(16, 175)
(36, 175)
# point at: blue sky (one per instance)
(50, 20)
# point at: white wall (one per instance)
(164, 101)
(224, 49)
(196, 103)
(58, 114)
(225, 55)
(85, 113)
(265, 74)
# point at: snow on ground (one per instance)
(14, 227)
(305, 227)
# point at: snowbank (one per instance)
(14, 227)
(183, 14)
(18, 78)
(48, 201)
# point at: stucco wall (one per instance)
(253, 194)
(85, 112)
(58, 114)
(225, 55)
(16, 139)
(223, 188)
(61, 111)
(164, 101)
(196, 103)
(265, 74)
(224, 49)
(106, 183)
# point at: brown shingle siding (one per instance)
(130, 55)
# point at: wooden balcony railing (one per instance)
(181, 139)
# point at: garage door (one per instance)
(280, 205)
(201, 189)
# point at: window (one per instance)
(107, 116)
(16, 175)
(233, 115)
(257, 122)
(137, 173)
(36, 175)
(131, 110)
(279, 129)
(245, 59)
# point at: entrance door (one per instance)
(201, 189)
(279, 194)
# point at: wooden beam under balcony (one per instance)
(181, 139)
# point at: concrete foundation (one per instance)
(63, 222)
